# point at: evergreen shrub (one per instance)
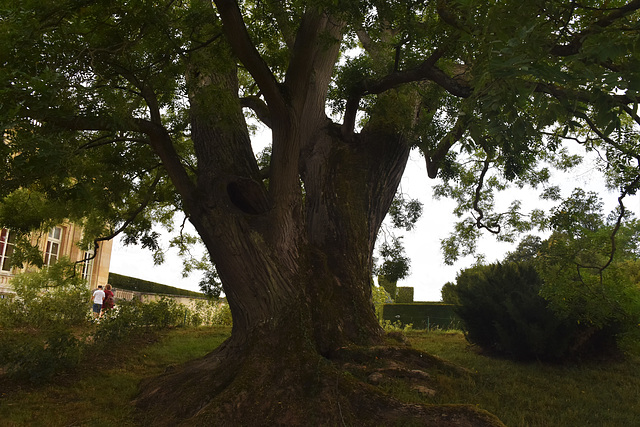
(502, 312)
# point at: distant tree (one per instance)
(390, 288)
(120, 113)
(573, 294)
(448, 293)
(395, 264)
(527, 250)
(210, 284)
(587, 262)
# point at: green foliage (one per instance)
(389, 287)
(36, 357)
(588, 270)
(563, 297)
(210, 284)
(131, 283)
(55, 296)
(448, 293)
(396, 326)
(405, 213)
(396, 264)
(405, 294)
(221, 315)
(36, 338)
(380, 297)
(132, 317)
(502, 312)
(579, 214)
(527, 250)
(39, 326)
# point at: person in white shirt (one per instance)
(97, 297)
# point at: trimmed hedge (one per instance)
(404, 295)
(422, 315)
(132, 284)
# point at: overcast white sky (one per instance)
(428, 271)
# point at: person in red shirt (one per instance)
(109, 299)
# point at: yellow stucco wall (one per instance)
(70, 236)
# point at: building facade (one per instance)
(60, 241)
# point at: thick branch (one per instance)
(238, 37)
(159, 140)
(258, 106)
(425, 71)
(305, 49)
(583, 96)
(435, 158)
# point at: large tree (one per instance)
(116, 113)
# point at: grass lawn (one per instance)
(605, 393)
(533, 394)
(86, 398)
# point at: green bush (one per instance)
(37, 339)
(222, 316)
(36, 357)
(380, 297)
(162, 313)
(502, 312)
(130, 317)
(51, 297)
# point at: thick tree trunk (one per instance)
(295, 260)
(349, 187)
(294, 308)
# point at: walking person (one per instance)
(109, 299)
(97, 298)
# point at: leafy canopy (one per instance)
(97, 98)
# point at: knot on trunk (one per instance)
(248, 195)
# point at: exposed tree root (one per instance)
(302, 388)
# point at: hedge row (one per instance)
(119, 281)
(423, 315)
